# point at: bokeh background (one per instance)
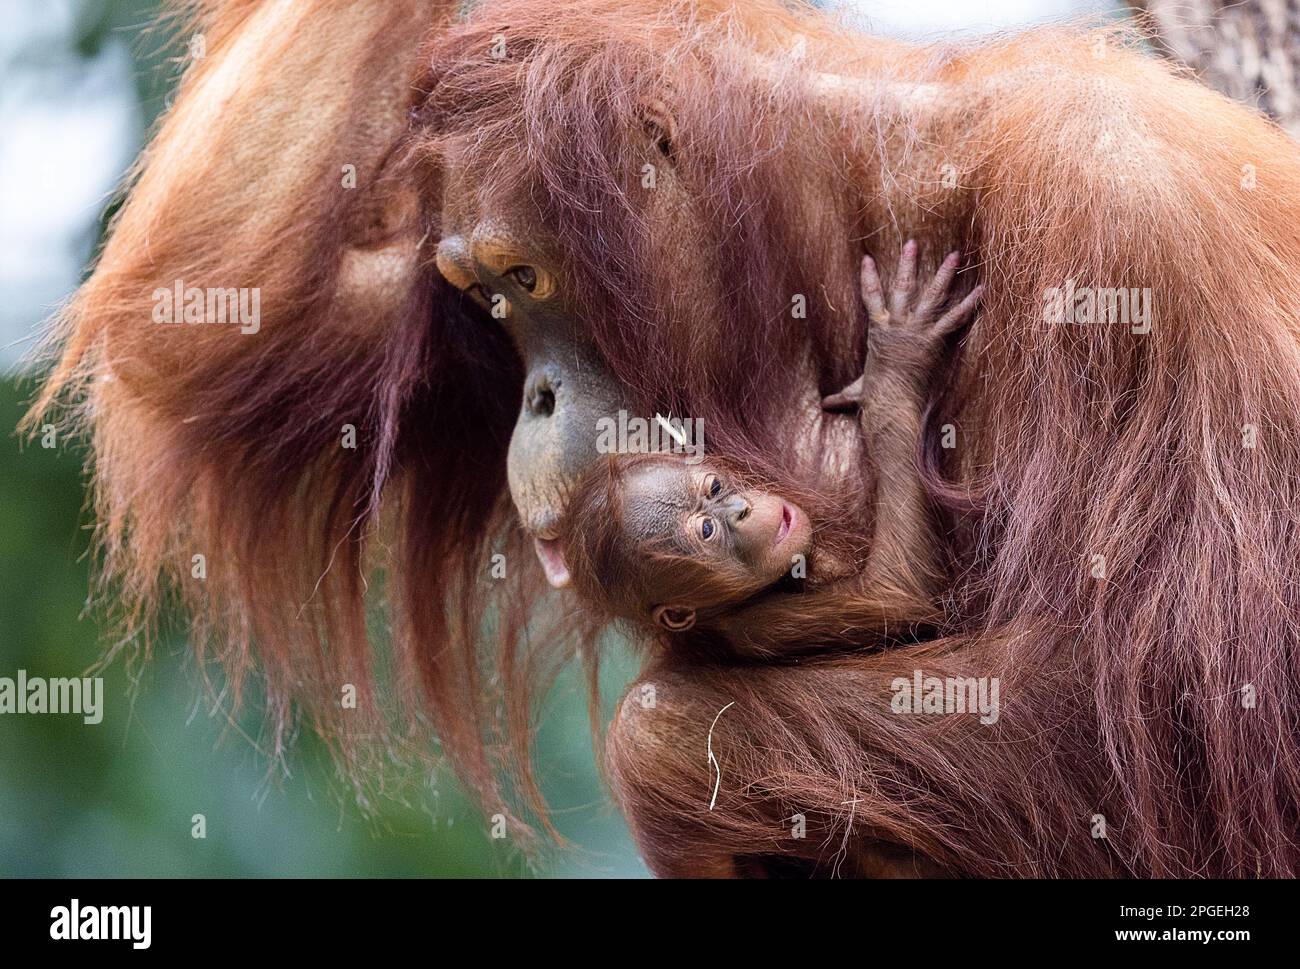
(81, 82)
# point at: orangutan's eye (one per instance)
(525, 276)
(706, 528)
(713, 486)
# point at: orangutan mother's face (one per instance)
(499, 259)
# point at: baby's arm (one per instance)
(904, 343)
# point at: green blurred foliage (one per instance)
(155, 48)
(117, 798)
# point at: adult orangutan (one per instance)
(661, 207)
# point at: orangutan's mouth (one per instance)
(787, 522)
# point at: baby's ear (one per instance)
(675, 619)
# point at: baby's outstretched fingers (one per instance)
(904, 281)
(960, 314)
(937, 291)
(873, 293)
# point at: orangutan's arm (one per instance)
(905, 341)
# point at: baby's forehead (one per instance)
(654, 497)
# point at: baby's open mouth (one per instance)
(787, 519)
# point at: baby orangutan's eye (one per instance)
(706, 528)
(713, 485)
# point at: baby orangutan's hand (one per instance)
(907, 336)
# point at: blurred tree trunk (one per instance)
(1248, 49)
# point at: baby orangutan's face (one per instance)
(750, 538)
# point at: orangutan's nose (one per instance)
(539, 395)
(737, 509)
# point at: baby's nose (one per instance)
(736, 508)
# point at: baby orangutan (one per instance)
(654, 538)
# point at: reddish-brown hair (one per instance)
(1078, 443)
